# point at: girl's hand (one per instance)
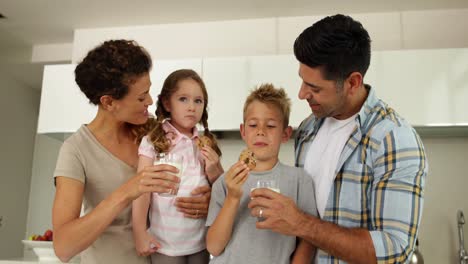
(235, 178)
(146, 244)
(155, 178)
(213, 168)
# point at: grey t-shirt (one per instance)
(83, 158)
(249, 244)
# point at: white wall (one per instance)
(445, 193)
(45, 156)
(42, 190)
(398, 30)
(18, 114)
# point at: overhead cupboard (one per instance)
(427, 87)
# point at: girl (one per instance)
(176, 236)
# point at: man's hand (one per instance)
(280, 212)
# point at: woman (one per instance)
(96, 166)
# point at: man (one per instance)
(367, 162)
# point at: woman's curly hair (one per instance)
(110, 68)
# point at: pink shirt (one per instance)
(178, 235)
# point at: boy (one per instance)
(232, 235)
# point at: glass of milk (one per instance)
(172, 159)
(269, 183)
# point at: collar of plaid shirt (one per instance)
(310, 126)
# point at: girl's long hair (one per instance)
(156, 133)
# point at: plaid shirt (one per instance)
(379, 180)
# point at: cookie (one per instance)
(248, 157)
(204, 141)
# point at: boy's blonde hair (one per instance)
(268, 94)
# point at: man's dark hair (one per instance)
(338, 45)
(110, 68)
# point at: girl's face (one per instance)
(186, 106)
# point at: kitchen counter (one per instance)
(24, 260)
(29, 257)
(31, 260)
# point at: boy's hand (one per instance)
(235, 178)
(146, 244)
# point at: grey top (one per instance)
(84, 159)
(249, 244)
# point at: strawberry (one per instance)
(48, 235)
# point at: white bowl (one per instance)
(44, 250)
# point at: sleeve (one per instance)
(306, 194)
(218, 194)
(400, 168)
(69, 163)
(146, 148)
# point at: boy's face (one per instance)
(263, 131)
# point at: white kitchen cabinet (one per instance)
(162, 68)
(226, 82)
(63, 106)
(427, 87)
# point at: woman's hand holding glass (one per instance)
(175, 160)
(157, 178)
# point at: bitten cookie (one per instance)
(204, 141)
(248, 157)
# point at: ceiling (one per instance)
(32, 22)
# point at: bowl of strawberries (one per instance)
(42, 246)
